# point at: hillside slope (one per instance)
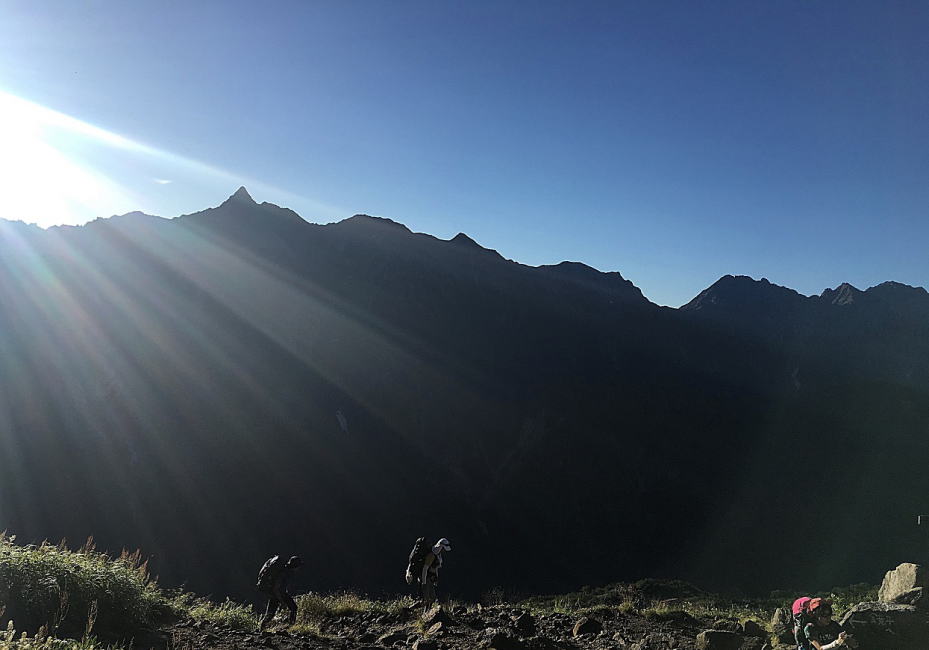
(239, 382)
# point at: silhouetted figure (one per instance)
(424, 566)
(272, 580)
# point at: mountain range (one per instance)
(240, 382)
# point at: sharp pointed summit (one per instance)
(241, 195)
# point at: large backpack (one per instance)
(800, 616)
(417, 559)
(269, 570)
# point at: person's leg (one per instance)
(273, 604)
(292, 606)
(428, 594)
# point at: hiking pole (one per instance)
(921, 521)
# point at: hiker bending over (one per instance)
(821, 632)
(272, 580)
(424, 565)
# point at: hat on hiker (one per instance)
(295, 561)
(444, 543)
(820, 606)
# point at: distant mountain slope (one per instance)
(238, 381)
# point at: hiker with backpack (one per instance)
(272, 580)
(814, 628)
(424, 567)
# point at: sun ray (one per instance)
(53, 173)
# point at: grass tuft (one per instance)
(228, 614)
(72, 592)
(10, 640)
(315, 607)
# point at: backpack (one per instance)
(800, 616)
(417, 559)
(268, 572)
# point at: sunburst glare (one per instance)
(45, 180)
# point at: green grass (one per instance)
(55, 592)
(10, 640)
(311, 608)
(228, 614)
(49, 585)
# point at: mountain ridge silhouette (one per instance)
(239, 380)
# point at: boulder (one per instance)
(718, 640)
(751, 628)
(903, 579)
(587, 625)
(917, 596)
(887, 626)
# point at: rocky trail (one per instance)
(498, 627)
(898, 620)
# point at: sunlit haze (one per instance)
(674, 143)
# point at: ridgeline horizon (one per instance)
(242, 194)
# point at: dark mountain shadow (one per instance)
(238, 382)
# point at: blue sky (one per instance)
(674, 142)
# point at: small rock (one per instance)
(782, 627)
(437, 615)
(525, 623)
(751, 628)
(500, 639)
(718, 640)
(542, 643)
(587, 625)
(437, 629)
(391, 638)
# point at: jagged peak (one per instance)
(241, 195)
(463, 239)
(844, 294)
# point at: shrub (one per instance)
(48, 585)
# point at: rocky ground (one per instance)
(898, 620)
(498, 628)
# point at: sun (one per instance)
(42, 178)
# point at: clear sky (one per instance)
(674, 142)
